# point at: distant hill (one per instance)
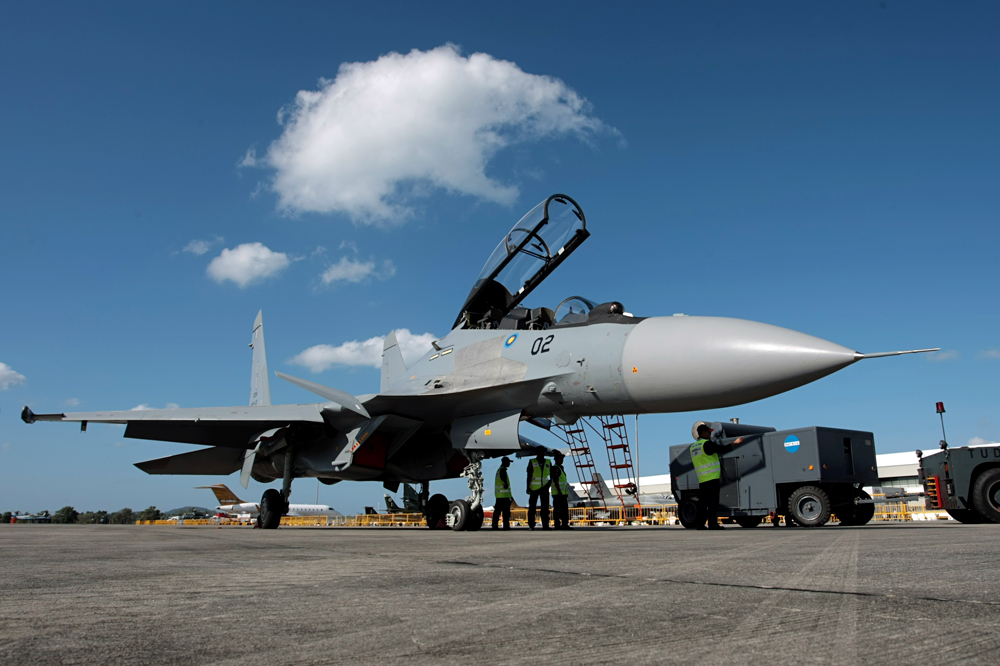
(189, 509)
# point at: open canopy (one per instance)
(529, 252)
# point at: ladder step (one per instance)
(623, 485)
(585, 464)
(621, 466)
(573, 432)
(617, 446)
(581, 449)
(614, 425)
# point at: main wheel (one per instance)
(272, 507)
(689, 512)
(748, 521)
(461, 515)
(475, 519)
(967, 516)
(437, 507)
(809, 506)
(857, 514)
(986, 495)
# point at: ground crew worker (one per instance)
(560, 494)
(501, 490)
(705, 457)
(539, 473)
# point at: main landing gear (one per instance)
(274, 504)
(460, 515)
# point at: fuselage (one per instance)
(252, 509)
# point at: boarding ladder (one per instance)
(611, 429)
(586, 472)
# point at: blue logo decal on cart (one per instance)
(792, 443)
(511, 340)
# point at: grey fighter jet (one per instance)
(501, 365)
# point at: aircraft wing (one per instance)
(214, 426)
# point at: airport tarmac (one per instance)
(883, 593)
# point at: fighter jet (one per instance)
(466, 399)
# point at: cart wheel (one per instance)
(749, 521)
(437, 506)
(857, 514)
(689, 512)
(986, 495)
(809, 506)
(967, 516)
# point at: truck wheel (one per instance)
(748, 521)
(437, 506)
(809, 506)
(967, 516)
(857, 514)
(689, 512)
(986, 495)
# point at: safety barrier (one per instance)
(380, 520)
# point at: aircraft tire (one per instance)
(461, 515)
(986, 495)
(809, 506)
(748, 521)
(437, 507)
(271, 508)
(476, 519)
(689, 511)
(967, 516)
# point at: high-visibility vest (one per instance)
(560, 487)
(539, 474)
(501, 487)
(706, 466)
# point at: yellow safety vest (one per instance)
(539, 474)
(560, 486)
(706, 466)
(501, 489)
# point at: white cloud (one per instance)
(990, 354)
(73, 402)
(367, 141)
(246, 264)
(979, 441)
(9, 377)
(946, 355)
(363, 353)
(350, 270)
(199, 247)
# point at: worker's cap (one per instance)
(540, 450)
(704, 427)
(558, 455)
(505, 459)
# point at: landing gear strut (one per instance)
(274, 504)
(467, 514)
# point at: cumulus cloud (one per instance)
(199, 247)
(9, 377)
(351, 270)
(979, 441)
(247, 264)
(144, 406)
(73, 402)
(366, 142)
(364, 352)
(992, 354)
(946, 355)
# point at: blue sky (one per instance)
(830, 168)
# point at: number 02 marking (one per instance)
(541, 345)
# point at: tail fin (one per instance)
(391, 506)
(393, 365)
(260, 389)
(411, 498)
(222, 493)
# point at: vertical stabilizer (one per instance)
(393, 366)
(260, 389)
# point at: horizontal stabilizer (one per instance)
(219, 461)
(342, 398)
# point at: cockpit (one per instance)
(530, 252)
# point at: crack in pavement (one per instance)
(745, 586)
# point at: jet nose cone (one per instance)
(674, 364)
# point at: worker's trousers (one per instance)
(708, 497)
(533, 498)
(501, 506)
(560, 510)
